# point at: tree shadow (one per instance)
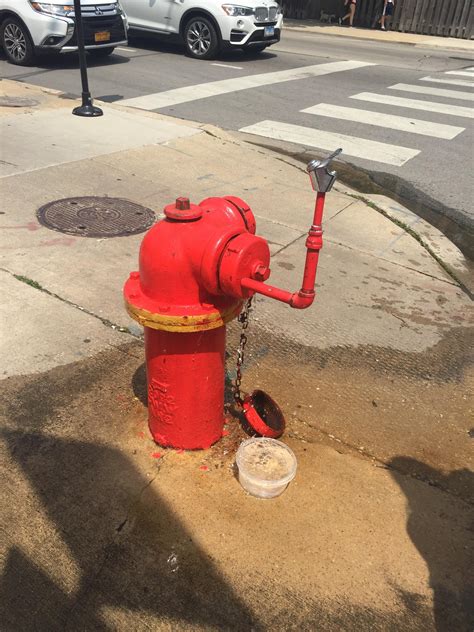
(130, 550)
(449, 558)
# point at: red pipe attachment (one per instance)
(314, 242)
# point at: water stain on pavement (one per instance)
(81, 484)
(374, 401)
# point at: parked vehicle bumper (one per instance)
(59, 34)
(241, 32)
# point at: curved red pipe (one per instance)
(305, 296)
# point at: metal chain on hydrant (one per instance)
(244, 321)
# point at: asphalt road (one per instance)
(313, 92)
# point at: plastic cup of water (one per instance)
(266, 466)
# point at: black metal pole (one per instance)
(86, 109)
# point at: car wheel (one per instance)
(201, 39)
(16, 42)
(101, 52)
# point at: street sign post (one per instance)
(87, 108)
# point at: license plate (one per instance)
(103, 36)
(269, 31)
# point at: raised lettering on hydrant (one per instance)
(197, 267)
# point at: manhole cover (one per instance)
(96, 217)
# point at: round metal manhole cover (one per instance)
(96, 217)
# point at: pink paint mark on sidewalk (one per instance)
(60, 241)
(156, 455)
(32, 226)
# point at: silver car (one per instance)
(28, 27)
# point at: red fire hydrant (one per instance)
(197, 267)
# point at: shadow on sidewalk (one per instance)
(125, 550)
(449, 561)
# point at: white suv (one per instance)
(28, 27)
(207, 26)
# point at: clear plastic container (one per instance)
(266, 466)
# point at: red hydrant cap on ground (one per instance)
(263, 415)
(182, 210)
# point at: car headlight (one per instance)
(237, 10)
(52, 9)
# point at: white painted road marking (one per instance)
(225, 86)
(228, 66)
(414, 104)
(352, 146)
(461, 73)
(389, 121)
(453, 82)
(437, 92)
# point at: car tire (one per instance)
(16, 42)
(201, 38)
(101, 52)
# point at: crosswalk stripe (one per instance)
(414, 104)
(352, 145)
(438, 92)
(461, 73)
(453, 82)
(389, 121)
(225, 86)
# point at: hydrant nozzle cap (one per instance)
(182, 210)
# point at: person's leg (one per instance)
(343, 19)
(382, 19)
(352, 9)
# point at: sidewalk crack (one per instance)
(378, 462)
(419, 239)
(37, 286)
(109, 551)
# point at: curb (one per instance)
(457, 45)
(440, 248)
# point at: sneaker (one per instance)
(383, 28)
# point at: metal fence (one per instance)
(447, 18)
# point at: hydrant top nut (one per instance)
(182, 210)
(183, 204)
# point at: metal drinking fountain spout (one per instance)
(321, 178)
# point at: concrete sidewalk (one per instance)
(414, 39)
(103, 529)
